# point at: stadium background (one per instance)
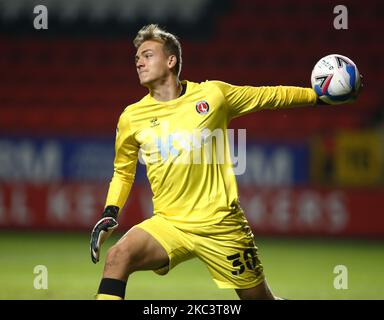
(314, 184)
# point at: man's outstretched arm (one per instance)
(241, 100)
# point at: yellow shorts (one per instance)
(228, 249)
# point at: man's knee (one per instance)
(119, 256)
(136, 250)
(259, 292)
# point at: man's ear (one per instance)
(172, 60)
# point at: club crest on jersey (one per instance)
(202, 107)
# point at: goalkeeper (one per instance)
(196, 206)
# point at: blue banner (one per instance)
(64, 159)
(274, 164)
(91, 159)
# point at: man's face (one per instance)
(152, 64)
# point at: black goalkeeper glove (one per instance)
(102, 230)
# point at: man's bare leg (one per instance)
(260, 292)
(136, 250)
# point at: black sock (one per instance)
(112, 287)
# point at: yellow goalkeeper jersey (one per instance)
(185, 147)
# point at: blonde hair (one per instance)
(171, 43)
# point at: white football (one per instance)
(336, 79)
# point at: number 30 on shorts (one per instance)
(249, 260)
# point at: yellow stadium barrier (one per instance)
(358, 159)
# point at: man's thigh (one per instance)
(176, 244)
(145, 252)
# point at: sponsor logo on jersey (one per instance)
(154, 122)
